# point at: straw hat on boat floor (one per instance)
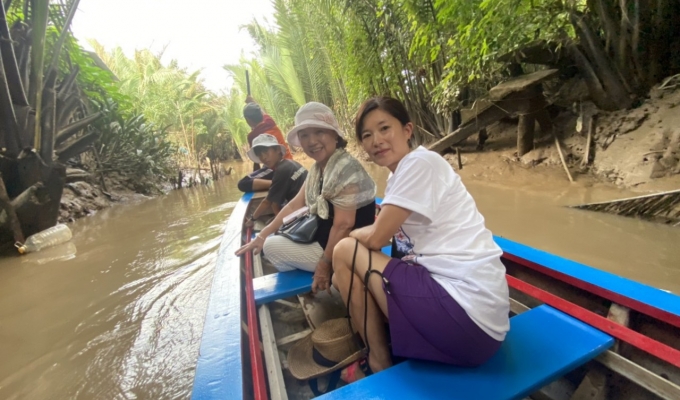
(330, 347)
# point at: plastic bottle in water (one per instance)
(49, 237)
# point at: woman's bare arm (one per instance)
(377, 235)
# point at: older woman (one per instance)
(445, 296)
(338, 189)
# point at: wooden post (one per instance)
(564, 163)
(525, 134)
(481, 139)
(460, 163)
(589, 140)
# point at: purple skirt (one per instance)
(427, 323)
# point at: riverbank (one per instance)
(636, 150)
(633, 152)
(85, 196)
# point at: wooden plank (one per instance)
(520, 83)
(287, 303)
(517, 308)
(486, 118)
(479, 106)
(293, 338)
(277, 385)
(645, 378)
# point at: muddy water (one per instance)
(118, 313)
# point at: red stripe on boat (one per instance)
(607, 294)
(642, 342)
(256, 365)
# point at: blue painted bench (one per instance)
(285, 284)
(543, 344)
(281, 285)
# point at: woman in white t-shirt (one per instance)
(445, 295)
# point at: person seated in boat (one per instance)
(287, 178)
(338, 190)
(445, 295)
(261, 177)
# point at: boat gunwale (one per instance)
(646, 299)
(219, 368)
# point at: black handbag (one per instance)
(302, 229)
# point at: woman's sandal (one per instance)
(355, 371)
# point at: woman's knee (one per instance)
(273, 246)
(245, 184)
(343, 251)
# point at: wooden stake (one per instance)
(460, 163)
(564, 163)
(589, 141)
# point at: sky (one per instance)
(199, 34)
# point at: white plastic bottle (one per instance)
(49, 237)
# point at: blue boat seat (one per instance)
(280, 285)
(543, 344)
(285, 284)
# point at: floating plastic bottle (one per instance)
(49, 237)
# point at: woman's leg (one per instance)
(379, 357)
(287, 255)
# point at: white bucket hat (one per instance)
(313, 115)
(264, 140)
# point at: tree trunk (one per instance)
(9, 62)
(602, 67)
(48, 126)
(8, 129)
(597, 92)
(39, 18)
(12, 218)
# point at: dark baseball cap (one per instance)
(252, 111)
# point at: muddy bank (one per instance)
(635, 149)
(84, 193)
(85, 197)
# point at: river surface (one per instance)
(117, 313)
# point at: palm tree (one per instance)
(42, 113)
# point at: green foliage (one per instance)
(132, 146)
(471, 35)
(421, 51)
(170, 97)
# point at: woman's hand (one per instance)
(255, 246)
(362, 234)
(322, 277)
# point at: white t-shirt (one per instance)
(445, 233)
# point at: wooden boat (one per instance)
(576, 333)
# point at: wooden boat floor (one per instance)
(288, 320)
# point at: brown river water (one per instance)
(118, 312)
